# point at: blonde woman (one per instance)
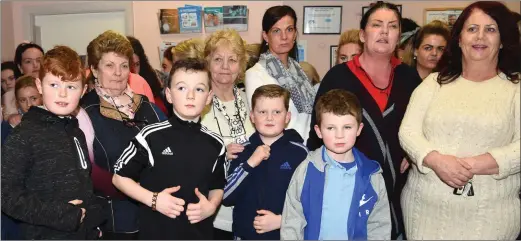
(190, 48)
(349, 46)
(228, 114)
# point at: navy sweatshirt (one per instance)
(263, 187)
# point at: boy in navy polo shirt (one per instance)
(337, 193)
(175, 168)
(261, 173)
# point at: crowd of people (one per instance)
(413, 134)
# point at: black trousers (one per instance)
(119, 236)
(219, 234)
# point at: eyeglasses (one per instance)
(133, 123)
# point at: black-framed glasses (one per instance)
(134, 123)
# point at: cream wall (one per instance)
(7, 31)
(319, 45)
(145, 22)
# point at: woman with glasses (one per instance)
(27, 57)
(278, 65)
(228, 113)
(117, 114)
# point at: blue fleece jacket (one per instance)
(263, 187)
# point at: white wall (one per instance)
(77, 30)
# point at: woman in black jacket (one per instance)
(117, 115)
(383, 85)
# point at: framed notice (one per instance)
(333, 51)
(322, 20)
(446, 15)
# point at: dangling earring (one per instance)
(414, 57)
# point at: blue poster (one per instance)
(190, 20)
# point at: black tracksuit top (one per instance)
(45, 165)
(175, 153)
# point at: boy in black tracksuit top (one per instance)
(262, 172)
(178, 163)
(46, 183)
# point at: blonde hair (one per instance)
(232, 39)
(189, 49)
(311, 72)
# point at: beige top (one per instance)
(463, 118)
(215, 120)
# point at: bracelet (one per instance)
(154, 199)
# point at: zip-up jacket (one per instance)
(111, 137)
(263, 187)
(369, 213)
(44, 166)
(175, 153)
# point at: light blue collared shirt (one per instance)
(338, 193)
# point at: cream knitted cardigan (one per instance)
(463, 118)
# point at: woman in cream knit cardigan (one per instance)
(462, 129)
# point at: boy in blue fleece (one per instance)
(337, 193)
(261, 173)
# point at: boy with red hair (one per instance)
(46, 181)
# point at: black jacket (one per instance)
(111, 138)
(44, 166)
(175, 153)
(379, 138)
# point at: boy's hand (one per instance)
(77, 202)
(169, 205)
(261, 153)
(15, 119)
(266, 221)
(232, 149)
(197, 212)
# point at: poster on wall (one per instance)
(236, 17)
(333, 51)
(213, 19)
(163, 46)
(446, 15)
(322, 19)
(302, 47)
(190, 20)
(168, 21)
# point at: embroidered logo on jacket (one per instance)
(167, 152)
(362, 203)
(285, 166)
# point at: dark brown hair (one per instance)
(21, 48)
(270, 91)
(379, 5)
(339, 102)
(189, 64)
(270, 18)
(450, 64)
(64, 62)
